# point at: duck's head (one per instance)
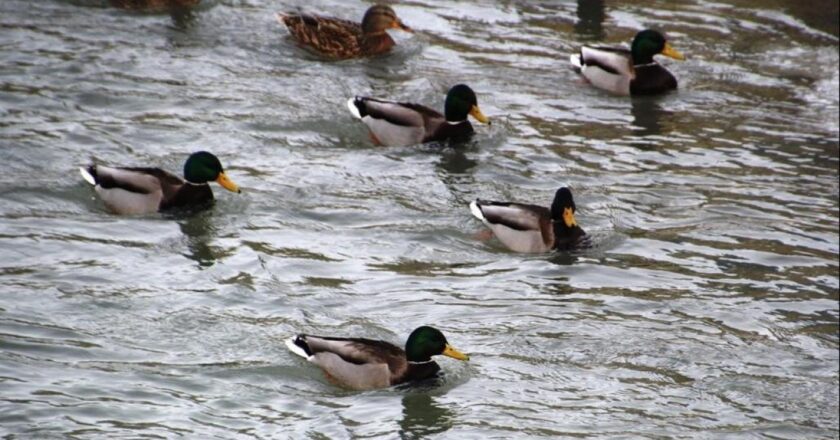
(203, 167)
(380, 18)
(425, 342)
(648, 43)
(563, 208)
(461, 102)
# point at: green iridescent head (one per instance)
(425, 342)
(461, 102)
(648, 43)
(203, 167)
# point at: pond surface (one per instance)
(707, 308)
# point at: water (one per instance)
(708, 307)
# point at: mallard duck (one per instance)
(531, 228)
(343, 39)
(401, 124)
(629, 72)
(145, 190)
(364, 364)
(154, 5)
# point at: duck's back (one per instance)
(521, 227)
(129, 190)
(395, 123)
(356, 363)
(332, 37)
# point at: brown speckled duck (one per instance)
(146, 190)
(343, 39)
(531, 228)
(364, 364)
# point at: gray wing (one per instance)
(131, 190)
(522, 228)
(613, 60)
(397, 113)
(354, 363)
(516, 216)
(356, 350)
(395, 124)
(355, 376)
(138, 180)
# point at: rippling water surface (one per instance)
(708, 306)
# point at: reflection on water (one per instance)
(567, 258)
(455, 168)
(648, 115)
(590, 19)
(454, 160)
(182, 12)
(155, 5)
(197, 226)
(183, 18)
(423, 417)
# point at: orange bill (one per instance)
(569, 217)
(478, 115)
(669, 51)
(227, 183)
(455, 354)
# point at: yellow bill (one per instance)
(476, 113)
(227, 183)
(455, 354)
(669, 51)
(569, 217)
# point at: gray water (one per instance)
(707, 308)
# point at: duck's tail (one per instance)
(297, 345)
(353, 106)
(475, 209)
(88, 174)
(577, 61)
